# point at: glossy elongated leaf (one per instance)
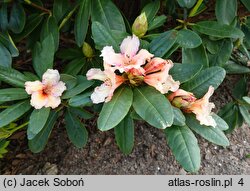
(81, 100)
(245, 113)
(179, 118)
(76, 131)
(38, 119)
(212, 134)
(184, 146)
(225, 11)
(70, 53)
(114, 111)
(102, 36)
(209, 77)
(75, 66)
(223, 53)
(12, 77)
(157, 22)
(124, 134)
(32, 22)
(195, 56)
(11, 94)
(163, 43)
(214, 29)
(82, 84)
(240, 89)
(188, 39)
(13, 112)
(246, 3)
(5, 56)
(3, 17)
(221, 124)
(234, 68)
(246, 99)
(184, 72)
(81, 113)
(50, 27)
(38, 143)
(43, 55)
(186, 3)
(106, 13)
(153, 107)
(7, 41)
(60, 8)
(151, 10)
(69, 80)
(17, 18)
(82, 21)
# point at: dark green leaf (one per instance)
(200, 83)
(82, 84)
(80, 100)
(81, 113)
(70, 54)
(12, 77)
(75, 66)
(188, 39)
(43, 55)
(13, 112)
(246, 99)
(38, 119)
(38, 143)
(82, 21)
(3, 17)
(186, 3)
(69, 80)
(115, 110)
(226, 11)
(179, 118)
(246, 3)
(214, 29)
(184, 146)
(76, 131)
(5, 56)
(159, 47)
(240, 88)
(151, 10)
(212, 134)
(60, 8)
(7, 41)
(103, 36)
(124, 134)
(50, 27)
(106, 13)
(221, 124)
(153, 107)
(11, 94)
(184, 72)
(195, 56)
(17, 18)
(234, 68)
(223, 53)
(157, 22)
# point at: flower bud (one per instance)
(87, 50)
(180, 103)
(140, 25)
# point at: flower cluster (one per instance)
(131, 66)
(202, 108)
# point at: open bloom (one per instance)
(157, 75)
(105, 91)
(46, 93)
(200, 107)
(128, 58)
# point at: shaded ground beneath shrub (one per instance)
(151, 155)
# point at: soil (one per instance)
(150, 155)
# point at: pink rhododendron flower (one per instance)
(200, 107)
(105, 91)
(46, 93)
(128, 58)
(157, 75)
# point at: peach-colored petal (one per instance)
(53, 102)
(141, 58)
(130, 46)
(111, 58)
(31, 87)
(58, 89)
(96, 74)
(51, 77)
(157, 64)
(38, 100)
(101, 93)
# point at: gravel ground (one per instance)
(151, 155)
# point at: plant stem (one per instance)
(67, 18)
(38, 7)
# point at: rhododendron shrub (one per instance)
(70, 61)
